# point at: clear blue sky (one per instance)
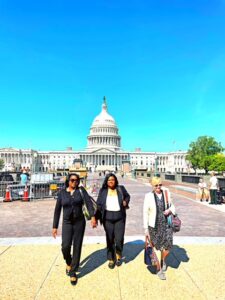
(161, 65)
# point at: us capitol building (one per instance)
(103, 152)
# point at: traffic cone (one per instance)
(25, 194)
(7, 195)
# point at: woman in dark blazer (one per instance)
(113, 200)
(71, 199)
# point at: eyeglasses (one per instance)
(73, 180)
(156, 185)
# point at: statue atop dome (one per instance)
(104, 105)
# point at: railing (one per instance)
(170, 177)
(190, 179)
(43, 190)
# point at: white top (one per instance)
(213, 183)
(112, 203)
(202, 185)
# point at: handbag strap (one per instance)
(82, 195)
(167, 200)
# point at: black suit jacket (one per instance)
(71, 205)
(122, 196)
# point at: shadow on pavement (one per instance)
(99, 257)
(132, 249)
(176, 256)
(92, 262)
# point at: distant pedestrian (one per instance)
(113, 200)
(23, 178)
(213, 181)
(71, 199)
(203, 192)
(158, 206)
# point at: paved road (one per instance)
(33, 219)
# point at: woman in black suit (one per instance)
(113, 200)
(73, 225)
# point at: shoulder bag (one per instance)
(172, 220)
(84, 207)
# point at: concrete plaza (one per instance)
(32, 266)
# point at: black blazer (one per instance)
(101, 201)
(71, 205)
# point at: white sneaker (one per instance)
(161, 275)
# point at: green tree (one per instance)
(1, 164)
(201, 152)
(217, 163)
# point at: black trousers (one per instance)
(114, 226)
(213, 196)
(73, 233)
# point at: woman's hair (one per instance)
(105, 185)
(68, 179)
(155, 180)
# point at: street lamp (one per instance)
(34, 161)
(156, 165)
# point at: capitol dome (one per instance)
(104, 131)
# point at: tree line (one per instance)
(206, 153)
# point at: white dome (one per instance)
(104, 118)
(104, 131)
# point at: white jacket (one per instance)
(149, 209)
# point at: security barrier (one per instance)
(33, 191)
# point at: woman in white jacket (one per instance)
(157, 207)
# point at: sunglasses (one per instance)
(158, 185)
(73, 180)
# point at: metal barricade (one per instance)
(3, 186)
(93, 186)
(17, 191)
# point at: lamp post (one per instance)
(156, 165)
(34, 161)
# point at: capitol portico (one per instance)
(103, 152)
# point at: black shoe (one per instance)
(201, 200)
(119, 262)
(111, 264)
(73, 279)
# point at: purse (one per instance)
(172, 220)
(150, 257)
(84, 206)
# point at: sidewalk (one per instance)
(188, 191)
(38, 272)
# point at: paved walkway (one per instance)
(32, 265)
(195, 271)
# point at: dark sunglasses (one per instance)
(158, 185)
(73, 180)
